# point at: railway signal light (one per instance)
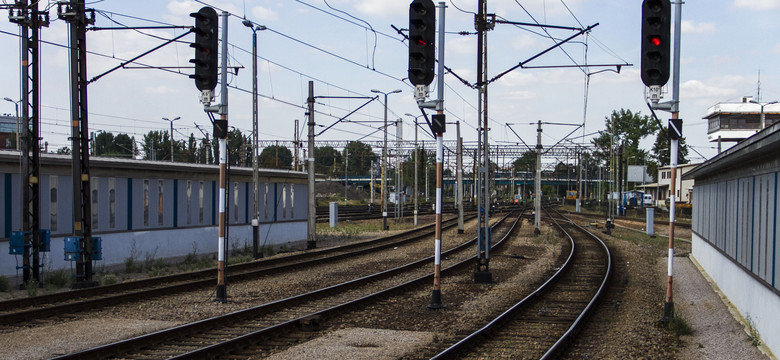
(206, 31)
(422, 43)
(656, 41)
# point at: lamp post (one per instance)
(171, 121)
(384, 160)
(16, 105)
(763, 116)
(255, 153)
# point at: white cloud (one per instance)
(162, 89)
(689, 27)
(461, 45)
(538, 9)
(261, 14)
(383, 8)
(714, 90)
(524, 41)
(757, 4)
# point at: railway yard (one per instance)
(368, 299)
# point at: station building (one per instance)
(736, 121)
(153, 210)
(735, 228)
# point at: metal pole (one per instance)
(221, 295)
(538, 182)
(669, 300)
(311, 238)
(416, 168)
(171, 121)
(482, 273)
(459, 174)
(436, 293)
(256, 253)
(384, 173)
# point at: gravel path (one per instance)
(716, 332)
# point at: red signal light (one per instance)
(656, 41)
(422, 42)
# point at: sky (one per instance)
(725, 45)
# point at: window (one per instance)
(53, 202)
(200, 203)
(284, 201)
(94, 193)
(159, 202)
(235, 202)
(189, 202)
(112, 203)
(292, 200)
(146, 202)
(265, 201)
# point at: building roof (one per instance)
(741, 108)
(761, 147)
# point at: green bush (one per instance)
(5, 284)
(32, 288)
(108, 279)
(57, 278)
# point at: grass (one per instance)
(678, 327)
(5, 284)
(32, 287)
(753, 335)
(351, 229)
(57, 279)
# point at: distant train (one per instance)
(155, 209)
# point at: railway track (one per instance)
(26, 311)
(259, 330)
(631, 222)
(540, 325)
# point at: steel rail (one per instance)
(491, 327)
(270, 331)
(125, 292)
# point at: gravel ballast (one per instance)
(626, 323)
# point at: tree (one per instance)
(156, 145)
(361, 156)
(120, 146)
(526, 163)
(628, 129)
(624, 130)
(276, 157)
(203, 154)
(425, 162)
(660, 154)
(65, 150)
(192, 149)
(125, 146)
(325, 159)
(239, 148)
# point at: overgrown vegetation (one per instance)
(5, 284)
(32, 287)
(56, 279)
(753, 335)
(678, 327)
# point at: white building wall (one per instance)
(754, 301)
(162, 244)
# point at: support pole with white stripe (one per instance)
(220, 129)
(438, 126)
(675, 133)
